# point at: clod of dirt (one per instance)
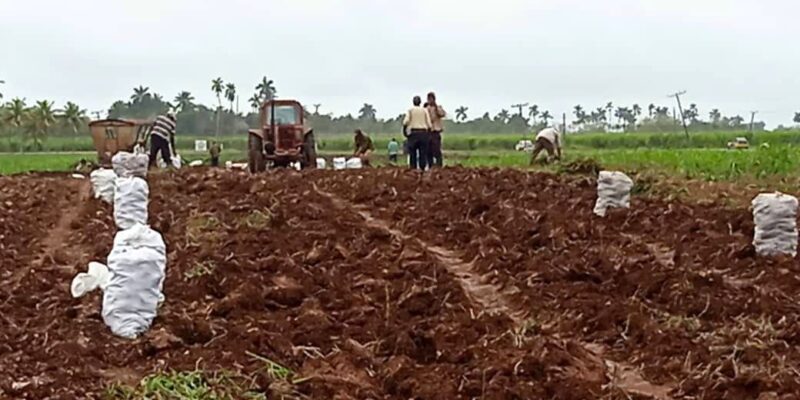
(193, 332)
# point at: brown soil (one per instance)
(458, 284)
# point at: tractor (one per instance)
(283, 139)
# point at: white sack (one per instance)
(130, 164)
(130, 202)
(95, 278)
(103, 184)
(353, 163)
(175, 159)
(775, 216)
(321, 163)
(613, 191)
(137, 264)
(339, 163)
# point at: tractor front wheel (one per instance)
(255, 158)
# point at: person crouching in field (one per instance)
(363, 147)
(162, 139)
(547, 139)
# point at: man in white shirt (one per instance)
(416, 126)
(547, 139)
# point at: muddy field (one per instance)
(388, 284)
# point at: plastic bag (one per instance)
(321, 163)
(339, 163)
(130, 164)
(353, 163)
(137, 264)
(613, 191)
(130, 202)
(775, 217)
(103, 184)
(95, 278)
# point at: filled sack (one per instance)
(130, 164)
(103, 184)
(137, 265)
(353, 163)
(339, 163)
(775, 217)
(130, 202)
(613, 191)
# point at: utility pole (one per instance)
(677, 97)
(96, 114)
(752, 120)
(519, 107)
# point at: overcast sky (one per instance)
(737, 55)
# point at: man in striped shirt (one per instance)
(162, 138)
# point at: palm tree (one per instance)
(316, 108)
(503, 116)
(692, 113)
(230, 93)
(40, 118)
(139, 94)
(266, 88)
(637, 111)
(797, 117)
(74, 116)
(15, 112)
(609, 110)
(184, 101)
(580, 114)
(715, 116)
(255, 102)
(601, 115)
(367, 112)
(533, 112)
(650, 109)
(2, 82)
(217, 87)
(546, 116)
(461, 113)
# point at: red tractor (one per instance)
(283, 138)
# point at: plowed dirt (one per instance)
(388, 284)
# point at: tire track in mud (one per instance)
(491, 298)
(494, 299)
(55, 249)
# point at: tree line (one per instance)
(42, 118)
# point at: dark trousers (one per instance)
(393, 158)
(215, 161)
(435, 150)
(418, 143)
(157, 143)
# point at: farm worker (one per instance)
(394, 150)
(417, 125)
(547, 139)
(363, 147)
(437, 127)
(214, 151)
(162, 138)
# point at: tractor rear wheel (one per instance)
(309, 152)
(255, 157)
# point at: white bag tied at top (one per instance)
(137, 264)
(775, 217)
(103, 184)
(130, 164)
(96, 277)
(613, 191)
(353, 163)
(130, 202)
(321, 163)
(339, 163)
